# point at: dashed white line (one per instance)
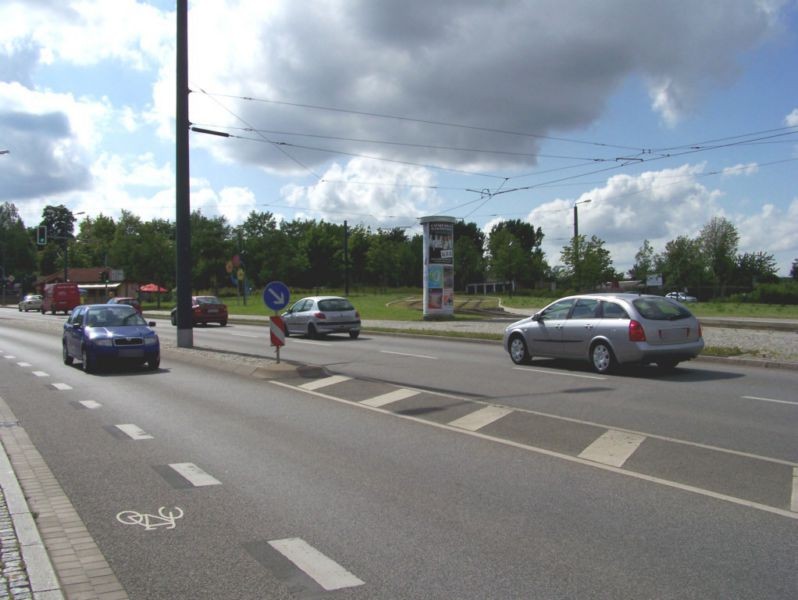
(308, 342)
(320, 383)
(9, 357)
(613, 447)
(245, 335)
(480, 418)
(410, 355)
(41, 374)
(90, 404)
(133, 432)
(769, 400)
(62, 386)
(562, 373)
(194, 475)
(322, 569)
(390, 397)
(24, 364)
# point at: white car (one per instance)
(681, 297)
(30, 302)
(316, 316)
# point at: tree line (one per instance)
(312, 254)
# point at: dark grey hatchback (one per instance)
(608, 330)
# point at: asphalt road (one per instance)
(381, 471)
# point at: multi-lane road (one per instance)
(397, 467)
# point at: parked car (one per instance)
(130, 301)
(608, 330)
(98, 334)
(30, 302)
(681, 297)
(316, 316)
(204, 310)
(60, 297)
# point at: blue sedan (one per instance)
(106, 333)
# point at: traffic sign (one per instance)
(276, 295)
(277, 331)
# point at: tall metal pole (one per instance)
(185, 333)
(346, 260)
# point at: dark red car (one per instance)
(204, 310)
(130, 301)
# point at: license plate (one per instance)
(674, 334)
(212, 311)
(131, 353)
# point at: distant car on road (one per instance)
(681, 297)
(204, 310)
(98, 334)
(30, 302)
(130, 301)
(608, 330)
(316, 316)
(60, 296)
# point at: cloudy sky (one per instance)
(378, 112)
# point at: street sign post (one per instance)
(277, 333)
(276, 297)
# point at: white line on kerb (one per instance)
(394, 396)
(325, 571)
(613, 447)
(769, 400)
(133, 432)
(480, 418)
(410, 355)
(320, 383)
(196, 476)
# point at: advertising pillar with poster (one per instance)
(438, 267)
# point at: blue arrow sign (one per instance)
(276, 295)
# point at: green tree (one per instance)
(718, 242)
(211, 248)
(588, 262)
(95, 237)
(17, 248)
(533, 267)
(507, 258)
(469, 254)
(682, 264)
(755, 267)
(645, 262)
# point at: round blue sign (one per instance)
(276, 295)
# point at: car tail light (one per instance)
(357, 315)
(319, 315)
(700, 331)
(636, 332)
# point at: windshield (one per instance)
(335, 304)
(660, 309)
(114, 316)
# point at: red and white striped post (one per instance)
(277, 333)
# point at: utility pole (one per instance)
(576, 242)
(185, 333)
(346, 260)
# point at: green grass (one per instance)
(405, 305)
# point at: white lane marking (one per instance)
(90, 404)
(41, 374)
(133, 431)
(9, 357)
(308, 342)
(62, 386)
(480, 418)
(245, 335)
(613, 447)
(794, 500)
(564, 373)
(390, 397)
(320, 383)
(325, 571)
(581, 461)
(769, 400)
(24, 364)
(410, 355)
(196, 476)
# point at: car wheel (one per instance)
(154, 363)
(601, 358)
(67, 359)
(89, 363)
(223, 323)
(354, 334)
(312, 333)
(519, 353)
(20, 309)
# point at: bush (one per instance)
(785, 292)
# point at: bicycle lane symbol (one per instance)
(164, 519)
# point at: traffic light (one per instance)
(41, 235)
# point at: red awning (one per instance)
(151, 287)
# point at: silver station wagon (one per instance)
(608, 330)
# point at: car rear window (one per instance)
(660, 309)
(208, 300)
(335, 304)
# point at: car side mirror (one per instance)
(151, 323)
(537, 317)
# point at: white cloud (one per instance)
(736, 170)
(791, 120)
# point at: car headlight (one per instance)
(151, 340)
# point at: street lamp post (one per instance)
(576, 241)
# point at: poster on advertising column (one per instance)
(438, 266)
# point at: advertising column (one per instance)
(438, 266)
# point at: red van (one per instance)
(60, 296)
